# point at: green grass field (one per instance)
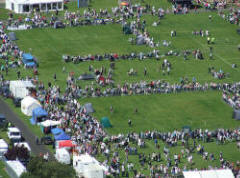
(48, 45)
(162, 112)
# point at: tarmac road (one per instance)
(29, 136)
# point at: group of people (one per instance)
(233, 16)
(10, 54)
(231, 95)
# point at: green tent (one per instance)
(105, 122)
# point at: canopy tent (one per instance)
(221, 173)
(62, 136)
(27, 56)
(20, 88)
(105, 122)
(86, 77)
(65, 144)
(50, 123)
(28, 104)
(26, 6)
(236, 114)
(56, 131)
(89, 108)
(47, 125)
(28, 60)
(38, 114)
(12, 36)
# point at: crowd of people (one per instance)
(91, 138)
(232, 16)
(88, 133)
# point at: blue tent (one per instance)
(57, 131)
(38, 113)
(62, 136)
(27, 57)
(28, 60)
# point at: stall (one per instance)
(27, 6)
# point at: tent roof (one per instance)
(221, 173)
(62, 136)
(27, 56)
(22, 83)
(56, 131)
(39, 112)
(35, 1)
(66, 143)
(89, 108)
(86, 159)
(49, 123)
(29, 100)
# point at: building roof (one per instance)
(35, 1)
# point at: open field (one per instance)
(165, 112)
(48, 45)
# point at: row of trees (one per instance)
(39, 168)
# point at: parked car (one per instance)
(14, 134)
(3, 121)
(17, 102)
(47, 140)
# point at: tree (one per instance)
(39, 168)
(21, 153)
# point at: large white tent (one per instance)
(87, 166)
(221, 173)
(26, 6)
(28, 104)
(20, 88)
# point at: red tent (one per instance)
(66, 143)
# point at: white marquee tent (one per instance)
(87, 166)
(28, 104)
(221, 173)
(19, 88)
(26, 6)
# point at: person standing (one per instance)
(145, 71)
(55, 77)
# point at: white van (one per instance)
(14, 134)
(62, 156)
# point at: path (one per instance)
(26, 132)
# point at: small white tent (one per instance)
(50, 123)
(19, 88)
(221, 173)
(28, 104)
(63, 156)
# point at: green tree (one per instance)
(38, 168)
